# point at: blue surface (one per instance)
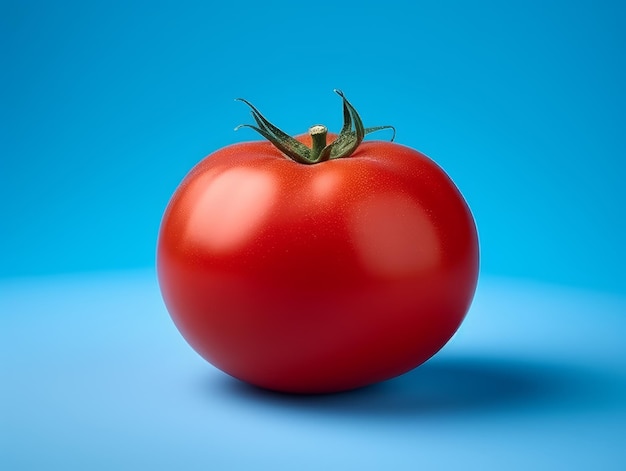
(106, 105)
(95, 376)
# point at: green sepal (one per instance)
(343, 146)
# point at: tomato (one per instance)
(320, 277)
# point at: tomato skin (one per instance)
(317, 278)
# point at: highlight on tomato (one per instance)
(320, 263)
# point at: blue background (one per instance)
(107, 105)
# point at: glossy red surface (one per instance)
(317, 278)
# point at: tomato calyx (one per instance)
(343, 146)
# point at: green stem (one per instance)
(318, 137)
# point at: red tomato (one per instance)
(317, 278)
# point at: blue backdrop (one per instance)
(106, 106)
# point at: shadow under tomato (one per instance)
(452, 385)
